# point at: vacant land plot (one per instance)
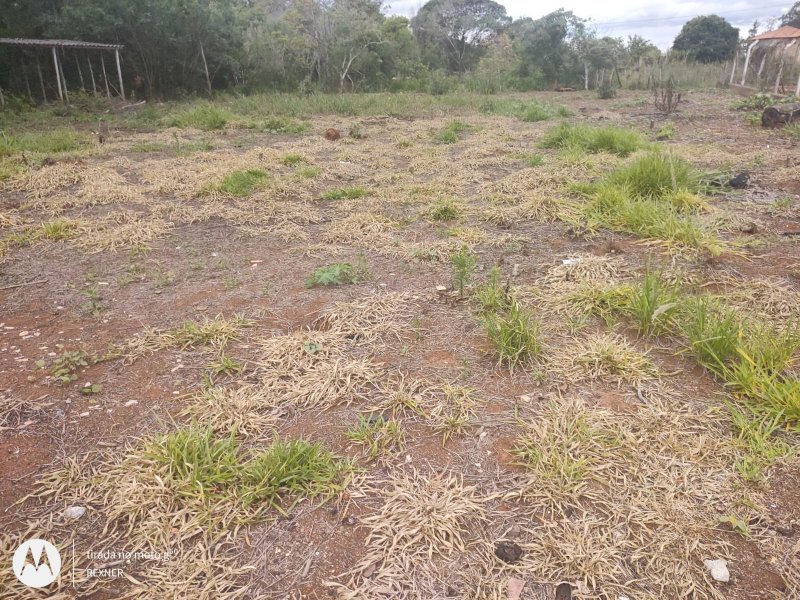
(477, 347)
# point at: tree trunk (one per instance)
(781, 114)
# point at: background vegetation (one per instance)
(345, 45)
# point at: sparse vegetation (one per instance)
(339, 274)
(348, 193)
(378, 436)
(450, 133)
(464, 264)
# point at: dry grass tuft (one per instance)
(360, 229)
(366, 318)
(585, 268)
(453, 410)
(605, 357)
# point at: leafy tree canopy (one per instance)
(707, 39)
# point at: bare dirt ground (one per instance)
(613, 482)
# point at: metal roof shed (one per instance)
(55, 45)
(781, 42)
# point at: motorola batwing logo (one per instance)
(36, 563)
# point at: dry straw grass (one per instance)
(367, 318)
(422, 517)
(603, 357)
(623, 503)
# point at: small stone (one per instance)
(441, 288)
(131, 403)
(508, 552)
(718, 569)
(74, 512)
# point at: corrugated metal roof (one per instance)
(782, 33)
(59, 44)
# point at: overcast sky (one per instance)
(658, 21)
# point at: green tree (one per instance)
(546, 44)
(707, 39)
(792, 16)
(641, 49)
(453, 34)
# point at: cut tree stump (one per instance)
(781, 114)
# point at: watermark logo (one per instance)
(36, 563)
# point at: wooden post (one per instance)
(105, 75)
(119, 74)
(91, 74)
(733, 70)
(779, 77)
(63, 78)
(797, 89)
(58, 75)
(747, 60)
(41, 79)
(761, 66)
(80, 73)
(2, 98)
(27, 82)
(205, 66)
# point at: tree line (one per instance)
(175, 47)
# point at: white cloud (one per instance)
(659, 22)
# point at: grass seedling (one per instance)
(653, 304)
(339, 274)
(493, 296)
(464, 264)
(378, 436)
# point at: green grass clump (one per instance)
(612, 207)
(207, 118)
(348, 193)
(449, 135)
(531, 159)
(653, 303)
(760, 445)
(613, 140)
(282, 125)
(193, 458)
(339, 274)
(291, 160)
(308, 172)
(657, 175)
(514, 335)
(201, 466)
(296, 467)
(243, 183)
(60, 229)
(444, 210)
(713, 332)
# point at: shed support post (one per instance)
(63, 78)
(761, 67)
(747, 60)
(41, 79)
(778, 78)
(58, 75)
(80, 73)
(119, 74)
(733, 70)
(105, 75)
(27, 82)
(91, 75)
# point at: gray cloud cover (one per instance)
(660, 22)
